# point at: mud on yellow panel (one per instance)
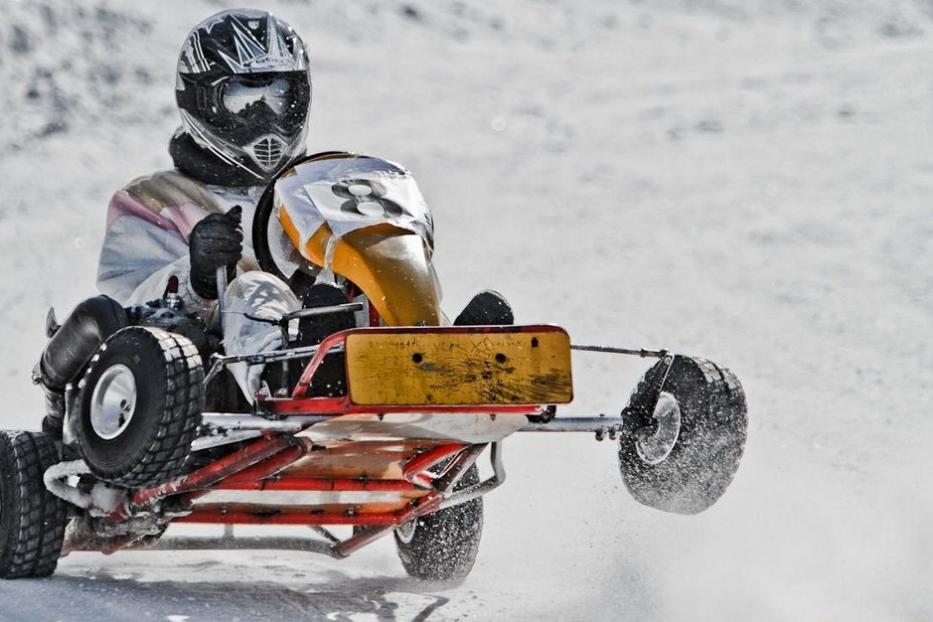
(459, 369)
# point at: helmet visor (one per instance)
(242, 93)
(275, 101)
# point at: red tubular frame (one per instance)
(300, 403)
(415, 470)
(251, 468)
(319, 484)
(263, 466)
(207, 476)
(301, 389)
(267, 468)
(343, 406)
(219, 517)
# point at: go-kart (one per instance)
(377, 426)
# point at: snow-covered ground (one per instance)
(746, 180)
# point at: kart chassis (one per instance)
(279, 456)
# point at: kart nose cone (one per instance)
(389, 264)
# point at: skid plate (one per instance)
(460, 367)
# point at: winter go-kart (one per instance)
(376, 427)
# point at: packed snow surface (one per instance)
(748, 181)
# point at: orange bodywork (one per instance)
(389, 264)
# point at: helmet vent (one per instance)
(268, 151)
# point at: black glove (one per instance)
(215, 241)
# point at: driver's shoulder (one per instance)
(170, 189)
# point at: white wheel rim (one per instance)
(113, 402)
(406, 531)
(655, 448)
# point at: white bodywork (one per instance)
(351, 193)
(464, 427)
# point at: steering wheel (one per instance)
(264, 208)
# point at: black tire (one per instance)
(708, 448)
(444, 545)
(167, 399)
(32, 520)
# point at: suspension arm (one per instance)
(601, 426)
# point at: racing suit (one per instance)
(146, 243)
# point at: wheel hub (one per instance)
(113, 402)
(406, 531)
(655, 447)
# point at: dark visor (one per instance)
(242, 92)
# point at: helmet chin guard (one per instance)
(267, 151)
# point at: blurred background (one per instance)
(745, 180)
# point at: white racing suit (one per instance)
(146, 243)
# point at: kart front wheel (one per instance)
(32, 520)
(141, 403)
(683, 435)
(442, 546)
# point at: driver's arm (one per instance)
(143, 247)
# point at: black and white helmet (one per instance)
(244, 90)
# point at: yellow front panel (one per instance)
(459, 369)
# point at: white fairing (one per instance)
(352, 193)
(467, 428)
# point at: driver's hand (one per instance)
(215, 241)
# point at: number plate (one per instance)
(451, 367)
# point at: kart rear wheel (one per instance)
(442, 546)
(141, 403)
(32, 520)
(683, 435)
